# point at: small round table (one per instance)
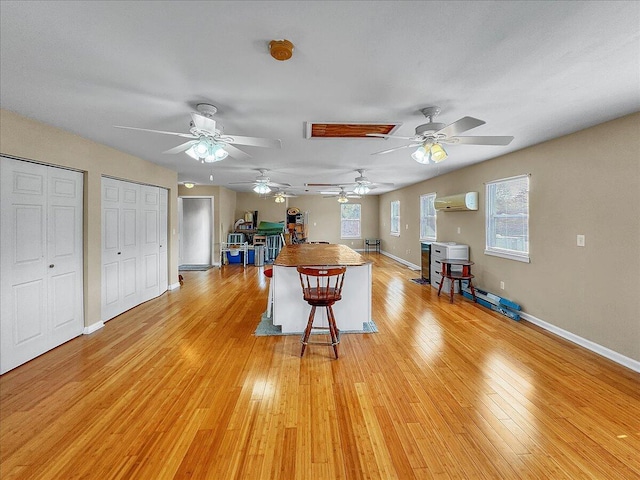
(459, 276)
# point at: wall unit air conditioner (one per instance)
(460, 202)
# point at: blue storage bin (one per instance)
(237, 258)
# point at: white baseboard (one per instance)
(92, 328)
(173, 286)
(583, 342)
(412, 266)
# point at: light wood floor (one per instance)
(180, 388)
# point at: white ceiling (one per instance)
(532, 69)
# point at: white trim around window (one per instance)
(350, 220)
(395, 218)
(428, 216)
(507, 218)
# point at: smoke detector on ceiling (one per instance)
(281, 49)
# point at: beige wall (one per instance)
(224, 204)
(27, 139)
(324, 215)
(268, 209)
(585, 183)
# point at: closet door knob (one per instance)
(51, 266)
(119, 253)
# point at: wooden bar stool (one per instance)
(322, 287)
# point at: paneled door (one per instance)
(163, 238)
(131, 249)
(150, 242)
(41, 289)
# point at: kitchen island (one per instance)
(291, 312)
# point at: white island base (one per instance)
(291, 312)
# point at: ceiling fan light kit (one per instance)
(437, 153)
(361, 189)
(429, 152)
(279, 199)
(281, 49)
(261, 189)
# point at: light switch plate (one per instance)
(580, 240)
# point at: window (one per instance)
(395, 218)
(507, 218)
(427, 217)
(350, 220)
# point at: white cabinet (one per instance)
(443, 250)
(41, 299)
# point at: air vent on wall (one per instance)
(347, 130)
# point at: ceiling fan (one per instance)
(343, 196)
(262, 183)
(362, 184)
(429, 137)
(281, 194)
(208, 144)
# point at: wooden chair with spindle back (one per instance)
(322, 287)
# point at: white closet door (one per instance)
(131, 234)
(150, 243)
(120, 247)
(163, 238)
(111, 253)
(130, 262)
(41, 259)
(64, 236)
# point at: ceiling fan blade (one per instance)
(253, 182)
(183, 135)
(181, 148)
(203, 123)
(236, 152)
(384, 135)
(480, 140)
(397, 148)
(382, 184)
(462, 125)
(275, 184)
(252, 141)
(321, 185)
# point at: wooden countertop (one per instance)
(318, 254)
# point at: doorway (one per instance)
(195, 223)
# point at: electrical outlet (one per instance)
(458, 229)
(580, 240)
(501, 285)
(406, 227)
